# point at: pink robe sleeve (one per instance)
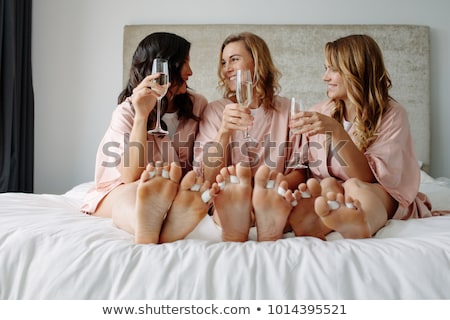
(208, 128)
(392, 157)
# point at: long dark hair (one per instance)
(167, 46)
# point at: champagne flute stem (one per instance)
(158, 114)
(246, 134)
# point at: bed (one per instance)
(50, 250)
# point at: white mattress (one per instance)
(50, 250)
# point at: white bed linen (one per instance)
(49, 250)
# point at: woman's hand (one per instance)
(235, 117)
(311, 123)
(145, 95)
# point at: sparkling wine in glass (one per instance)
(296, 107)
(244, 93)
(160, 66)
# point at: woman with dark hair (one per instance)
(137, 178)
(363, 167)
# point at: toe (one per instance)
(244, 174)
(188, 181)
(321, 206)
(262, 175)
(314, 187)
(175, 172)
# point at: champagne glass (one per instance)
(160, 66)
(244, 93)
(296, 107)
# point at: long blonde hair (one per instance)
(359, 61)
(266, 75)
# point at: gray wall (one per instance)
(77, 65)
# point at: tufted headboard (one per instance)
(298, 52)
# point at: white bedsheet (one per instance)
(49, 250)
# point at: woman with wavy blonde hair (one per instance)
(362, 161)
(266, 75)
(221, 151)
(359, 59)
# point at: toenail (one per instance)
(234, 179)
(281, 191)
(151, 174)
(270, 184)
(222, 185)
(333, 205)
(165, 174)
(305, 194)
(195, 187)
(294, 203)
(206, 196)
(349, 205)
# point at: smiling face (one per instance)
(235, 56)
(336, 85)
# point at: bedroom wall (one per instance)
(77, 65)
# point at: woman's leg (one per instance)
(303, 219)
(359, 212)
(188, 208)
(233, 204)
(272, 203)
(140, 207)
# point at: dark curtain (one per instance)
(16, 97)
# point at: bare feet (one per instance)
(233, 207)
(155, 192)
(344, 216)
(272, 202)
(188, 207)
(303, 218)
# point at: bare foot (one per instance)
(233, 206)
(156, 190)
(188, 208)
(272, 202)
(344, 216)
(303, 218)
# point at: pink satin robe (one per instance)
(391, 157)
(270, 130)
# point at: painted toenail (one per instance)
(349, 205)
(281, 191)
(206, 196)
(234, 179)
(195, 187)
(165, 174)
(305, 194)
(294, 203)
(270, 184)
(151, 174)
(222, 185)
(333, 205)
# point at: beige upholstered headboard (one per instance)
(298, 52)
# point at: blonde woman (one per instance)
(360, 150)
(221, 152)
